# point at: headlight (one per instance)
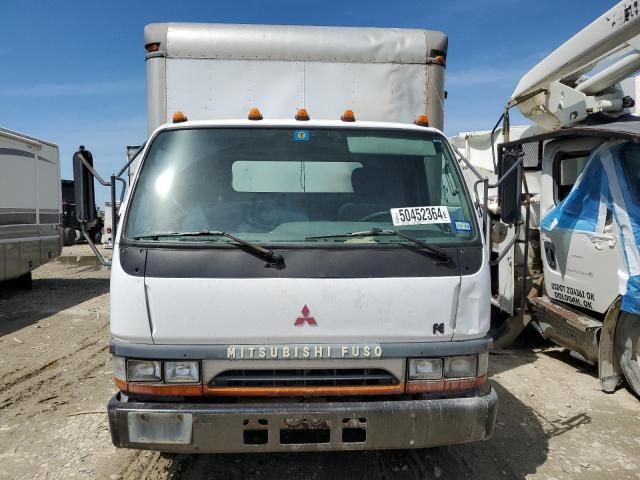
(460, 367)
(425, 368)
(181, 372)
(119, 368)
(143, 371)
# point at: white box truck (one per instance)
(298, 265)
(30, 205)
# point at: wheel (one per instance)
(627, 345)
(371, 216)
(96, 237)
(68, 236)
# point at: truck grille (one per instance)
(304, 378)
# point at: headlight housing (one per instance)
(144, 371)
(425, 368)
(448, 368)
(460, 367)
(181, 372)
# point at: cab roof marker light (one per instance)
(422, 121)
(302, 115)
(152, 47)
(255, 114)
(348, 116)
(179, 117)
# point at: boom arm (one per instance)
(554, 93)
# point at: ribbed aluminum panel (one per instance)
(295, 43)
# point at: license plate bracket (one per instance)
(160, 428)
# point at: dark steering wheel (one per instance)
(373, 215)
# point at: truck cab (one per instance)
(566, 259)
(282, 282)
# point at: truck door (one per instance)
(579, 239)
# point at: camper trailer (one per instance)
(30, 205)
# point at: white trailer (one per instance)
(298, 264)
(30, 205)
(107, 229)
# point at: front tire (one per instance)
(68, 236)
(627, 347)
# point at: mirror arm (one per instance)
(511, 243)
(493, 151)
(126, 165)
(507, 173)
(468, 164)
(124, 187)
(93, 172)
(96, 252)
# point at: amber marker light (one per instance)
(159, 389)
(445, 385)
(348, 116)
(422, 121)
(179, 117)
(152, 47)
(302, 115)
(303, 391)
(255, 114)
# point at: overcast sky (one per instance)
(72, 72)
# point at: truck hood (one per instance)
(257, 311)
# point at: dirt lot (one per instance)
(56, 378)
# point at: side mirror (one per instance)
(83, 186)
(510, 186)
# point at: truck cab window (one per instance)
(283, 185)
(567, 169)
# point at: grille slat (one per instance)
(307, 378)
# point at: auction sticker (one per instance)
(420, 215)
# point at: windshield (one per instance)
(285, 185)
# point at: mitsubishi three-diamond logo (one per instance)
(305, 318)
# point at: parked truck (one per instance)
(569, 261)
(71, 229)
(107, 236)
(298, 265)
(30, 232)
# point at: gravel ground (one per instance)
(56, 378)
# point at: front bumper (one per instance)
(282, 427)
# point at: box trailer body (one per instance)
(297, 266)
(30, 204)
(220, 71)
(389, 75)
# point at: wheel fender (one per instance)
(609, 371)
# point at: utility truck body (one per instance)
(30, 205)
(297, 266)
(570, 260)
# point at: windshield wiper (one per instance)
(273, 259)
(378, 232)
